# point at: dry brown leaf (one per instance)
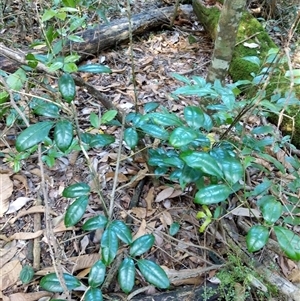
(166, 219)
(26, 235)
(164, 194)
(18, 204)
(141, 231)
(281, 155)
(21, 179)
(246, 212)
(149, 198)
(9, 274)
(6, 189)
(29, 296)
(295, 276)
(3, 298)
(6, 255)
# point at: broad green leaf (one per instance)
(289, 242)
(97, 222)
(33, 135)
(76, 211)
(48, 14)
(232, 169)
(61, 15)
(257, 237)
(253, 59)
(63, 134)
(51, 283)
(76, 39)
(188, 175)
(76, 23)
(202, 161)
(16, 80)
(93, 294)
(150, 106)
(76, 190)
(100, 140)
(67, 87)
(94, 68)
(194, 117)
(109, 245)
(95, 120)
(212, 194)
(182, 136)
(261, 188)
(55, 66)
(155, 131)
(122, 231)
(271, 211)
(196, 90)
(44, 108)
(70, 67)
(141, 245)
(97, 274)
(174, 228)
(69, 3)
(131, 137)
(181, 78)
(26, 274)
(126, 275)
(153, 273)
(164, 119)
(108, 116)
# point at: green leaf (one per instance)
(100, 140)
(182, 136)
(174, 228)
(153, 273)
(51, 283)
(76, 39)
(93, 294)
(97, 274)
(232, 169)
(194, 117)
(97, 222)
(271, 210)
(155, 131)
(94, 68)
(55, 66)
(253, 59)
(150, 106)
(257, 238)
(63, 134)
(33, 135)
(76, 190)
(67, 87)
(76, 211)
(108, 116)
(126, 275)
(70, 67)
(164, 119)
(142, 245)
(131, 137)
(26, 274)
(95, 120)
(109, 245)
(44, 108)
(122, 231)
(212, 194)
(181, 78)
(48, 14)
(289, 242)
(16, 80)
(202, 161)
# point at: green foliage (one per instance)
(26, 274)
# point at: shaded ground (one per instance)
(189, 258)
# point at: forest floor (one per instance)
(192, 256)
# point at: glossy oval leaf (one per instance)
(76, 211)
(45, 108)
(232, 169)
(153, 273)
(33, 135)
(63, 134)
(26, 274)
(109, 246)
(94, 68)
(51, 283)
(174, 228)
(257, 237)
(155, 131)
(76, 190)
(67, 87)
(108, 116)
(271, 210)
(194, 116)
(94, 223)
(150, 106)
(202, 161)
(126, 275)
(289, 242)
(93, 294)
(101, 140)
(131, 137)
(212, 194)
(165, 119)
(97, 274)
(142, 245)
(122, 231)
(182, 136)
(16, 80)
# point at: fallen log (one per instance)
(107, 36)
